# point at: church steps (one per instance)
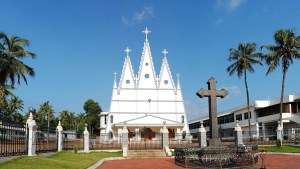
(145, 154)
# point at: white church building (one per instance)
(145, 101)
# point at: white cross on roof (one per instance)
(165, 52)
(146, 32)
(127, 50)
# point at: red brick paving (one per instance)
(272, 161)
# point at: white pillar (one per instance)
(31, 135)
(202, 135)
(263, 130)
(86, 139)
(59, 132)
(238, 134)
(125, 140)
(137, 134)
(279, 132)
(165, 140)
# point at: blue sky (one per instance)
(80, 44)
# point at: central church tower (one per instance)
(145, 100)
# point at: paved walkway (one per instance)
(272, 161)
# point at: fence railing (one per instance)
(46, 141)
(13, 138)
(216, 157)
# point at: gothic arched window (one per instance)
(182, 119)
(111, 119)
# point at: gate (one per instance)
(46, 140)
(13, 138)
(146, 139)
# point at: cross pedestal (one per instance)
(212, 95)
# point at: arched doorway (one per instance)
(147, 134)
(171, 133)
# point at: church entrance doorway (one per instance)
(147, 134)
(146, 139)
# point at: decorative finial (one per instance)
(164, 122)
(127, 50)
(115, 75)
(146, 32)
(165, 52)
(178, 75)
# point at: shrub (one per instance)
(75, 148)
(278, 143)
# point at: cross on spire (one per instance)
(146, 32)
(178, 75)
(127, 50)
(165, 52)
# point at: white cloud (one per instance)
(138, 17)
(230, 5)
(233, 4)
(234, 90)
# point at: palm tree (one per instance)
(244, 58)
(46, 110)
(14, 105)
(286, 49)
(4, 92)
(11, 53)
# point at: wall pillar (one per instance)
(202, 136)
(59, 132)
(31, 135)
(279, 132)
(165, 140)
(263, 127)
(86, 140)
(137, 137)
(125, 140)
(238, 134)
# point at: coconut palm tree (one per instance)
(15, 104)
(46, 110)
(282, 54)
(11, 53)
(244, 58)
(4, 92)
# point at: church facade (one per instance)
(145, 101)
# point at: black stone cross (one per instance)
(212, 95)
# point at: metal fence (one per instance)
(216, 157)
(46, 139)
(13, 138)
(183, 140)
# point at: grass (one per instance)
(59, 160)
(283, 149)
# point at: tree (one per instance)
(92, 110)
(244, 58)
(282, 54)
(45, 110)
(14, 105)
(67, 119)
(11, 53)
(11, 67)
(4, 92)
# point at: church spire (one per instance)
(146, 75)
(127, 77)
(165, 76)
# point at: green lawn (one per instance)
(59, 160)
(284, 149)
